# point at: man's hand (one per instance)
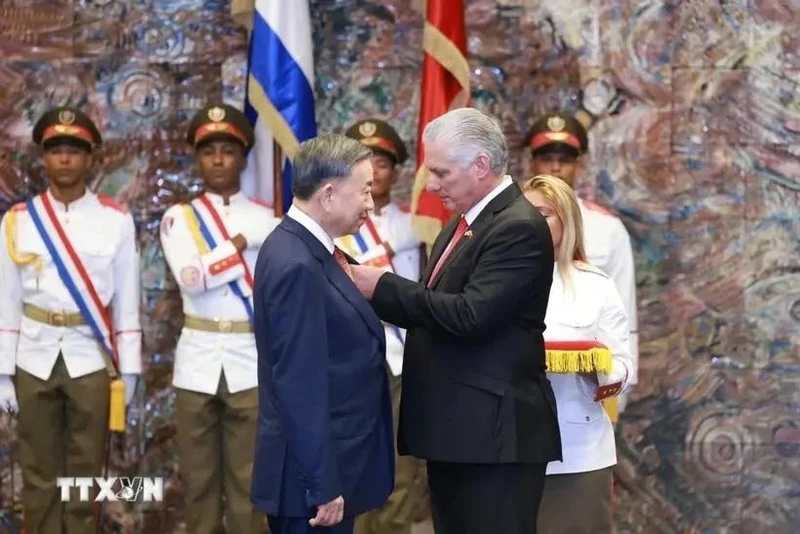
(329, 514)
(366, 278)
(240, 242)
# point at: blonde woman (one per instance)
(585, 320)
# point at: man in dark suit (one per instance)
(324, 451)
(476, 402)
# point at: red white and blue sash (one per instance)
(213, 231)
(367, 248)
(72, 273)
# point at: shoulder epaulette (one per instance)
(260, 202)
(597, 207)
(588, 267)
(111, 203)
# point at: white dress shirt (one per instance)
(312, 226)
(201, 356)
(103, 235)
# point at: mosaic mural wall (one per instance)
(696, 146)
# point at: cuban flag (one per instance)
(280, 96)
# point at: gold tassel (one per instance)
(588, 360)
(612, 408)
(582, 357)
(116, 414)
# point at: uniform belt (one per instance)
(218, 325)
(62, 318)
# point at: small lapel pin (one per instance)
(468, 233)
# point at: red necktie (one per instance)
(341, 259)
(460, 230)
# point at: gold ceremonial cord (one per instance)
(194, 230)
(11, 244)
(425, 228)
(447, 54)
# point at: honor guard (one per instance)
(69, 324)
(557, 142)
(211, 245)
(386, 239)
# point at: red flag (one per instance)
(445, 86)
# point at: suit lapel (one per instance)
(337, 277)
(349, 291)
(498, 204)
(486, 215)
(458, 249)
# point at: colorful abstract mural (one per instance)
(696, 145)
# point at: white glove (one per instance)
(130, 387)
(8, 395)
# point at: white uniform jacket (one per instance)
(608, 246)
(204, 279)
(102, 234)
(593, 311)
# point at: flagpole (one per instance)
(277, 176)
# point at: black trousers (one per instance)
(485, 498)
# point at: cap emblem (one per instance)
(66, 117)
(216, 114)
(556, 123)
(367, 129)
